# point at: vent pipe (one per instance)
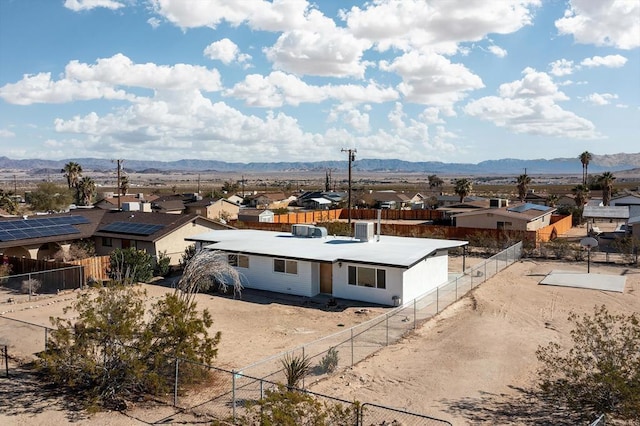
(379, 224)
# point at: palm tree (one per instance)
(606, 182)
(463, 187)
(87, 188)
(581, 193)
(552, 200)
(585, 157)
(72, 171)
(523, 185)
(124, 185)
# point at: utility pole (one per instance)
(119, 162)
(352, 157)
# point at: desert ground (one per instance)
(471, 364)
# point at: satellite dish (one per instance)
(589, 242)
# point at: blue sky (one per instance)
(292, 80)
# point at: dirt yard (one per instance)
(467, 365)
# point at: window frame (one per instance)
(355, 278)
(289, 267)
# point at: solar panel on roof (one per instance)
(527, 206)
(131, 228)
(20, 229)
(39, 232)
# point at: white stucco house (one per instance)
(381, 269)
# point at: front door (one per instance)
(326, 278)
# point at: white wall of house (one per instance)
(343, 290)
(425, 276)
(260, 275)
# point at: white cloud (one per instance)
(609, 61)
(80, 5)
(600, 99)
(6, 133)
(320, 49)
(435, 26)
(561, 67)
(534, 85)
(276, 15)
(279, 88)
(39, 88)
(432, 79)
(498, 51)
(225, 51)
(100, 81)
(351, 116)
(154, 22)
(529, 106)
(602, 22)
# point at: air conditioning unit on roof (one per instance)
(364, 231)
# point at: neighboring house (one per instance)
(522, 217)
(42, 236)
(153, 232)
(417, 201)
(626, 200)
(533, 198)
(455, 209)
(255, 215)
(169, 206)
(211, 208)
(387, 200)
(110, 202)
(385, 270)
(236, 199)
(317, 200)
(269, 200)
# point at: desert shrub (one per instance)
(163, 264)
(284, 407)
(329, 362)
(628, 247)
(578, 253)
(30, 286)
(109, 354)
(483, 242)
(296, 368)
(78, 250)
(130, 266)
(188, 254)
(559, 248)
(600, 372)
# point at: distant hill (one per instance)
(507, 166)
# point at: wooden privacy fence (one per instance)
(93, 267)
(282, 223)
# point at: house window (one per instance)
(367, 277)
(107, 242)
(238, 260)
(285, 266)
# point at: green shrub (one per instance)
(130, 266)
(329, 362)
(163, 264)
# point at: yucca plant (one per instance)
(296, 367)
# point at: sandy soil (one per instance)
(466, 365)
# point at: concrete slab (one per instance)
(589, 281)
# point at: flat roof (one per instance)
(389, 250)
(606, 212)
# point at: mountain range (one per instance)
(507, 166)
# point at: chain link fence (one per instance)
(28, 285)
(357, 343)
(226, 394)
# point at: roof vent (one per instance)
(364, 231)
(308, 231)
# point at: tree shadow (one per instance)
(526, 406)
(25, 393)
